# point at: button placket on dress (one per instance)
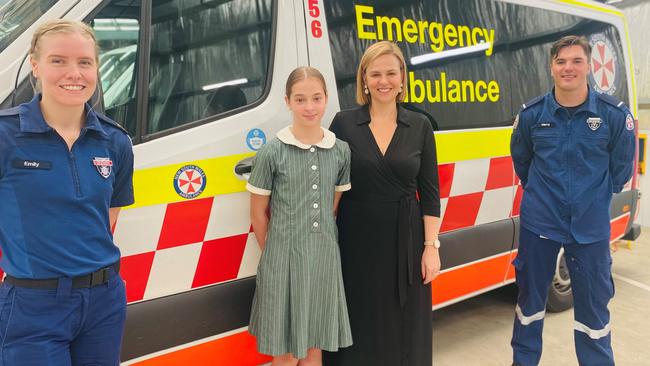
(315, 194)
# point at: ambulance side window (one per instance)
(206, 60)
(18, 15)
(117, 28)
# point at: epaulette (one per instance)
(111, 122)
(10, 112)
(613, 101)
(532, 102)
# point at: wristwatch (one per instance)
(432, 243)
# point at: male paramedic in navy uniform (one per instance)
(572, 149)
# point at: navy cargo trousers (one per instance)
(589, 267)
(65, 326)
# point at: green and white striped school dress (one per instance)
(299, 301)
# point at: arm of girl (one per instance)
(431, 256)
(337, 199)
(260, 217)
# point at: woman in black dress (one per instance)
(388, 223)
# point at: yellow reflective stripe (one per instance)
(631, 70)
(593, 7)
(468, 145)
(156, 185)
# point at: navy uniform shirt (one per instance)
(569, 166)
(54, 202)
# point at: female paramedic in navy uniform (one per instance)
(64, 172)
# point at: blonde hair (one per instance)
(373, 52)
(302, 73)
(59, 26)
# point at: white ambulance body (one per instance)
(199, 84)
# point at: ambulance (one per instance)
(199, 85)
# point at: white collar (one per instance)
(286, 135)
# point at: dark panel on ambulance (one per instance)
(517, 59)
(620, 200)
(515, 243)
(159, 324)
(475, 243)
(625, 202)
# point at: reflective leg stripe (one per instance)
(525, 320)
(593, 334)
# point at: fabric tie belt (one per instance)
(97, 278)
(404, 242)
(404, 247)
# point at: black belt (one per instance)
(405, 252)
(97, 278)
(404, 247)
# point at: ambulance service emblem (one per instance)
(604, 75)
(594, 123)
(189, 181)
(629, 122)
(104, 166)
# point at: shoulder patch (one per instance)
(629, 122)
(613, 101)
(10, 112)
(105, 119)
(532, 102)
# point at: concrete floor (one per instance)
(477, 331)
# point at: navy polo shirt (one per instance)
(570, 166)
(54, 202)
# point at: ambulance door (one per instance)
(200, 86)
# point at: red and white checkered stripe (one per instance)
(171, 248)
(175, 247)
(475, 192)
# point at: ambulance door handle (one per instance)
(243, 168)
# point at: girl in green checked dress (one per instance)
(299, 306)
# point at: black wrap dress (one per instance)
(381, 235)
